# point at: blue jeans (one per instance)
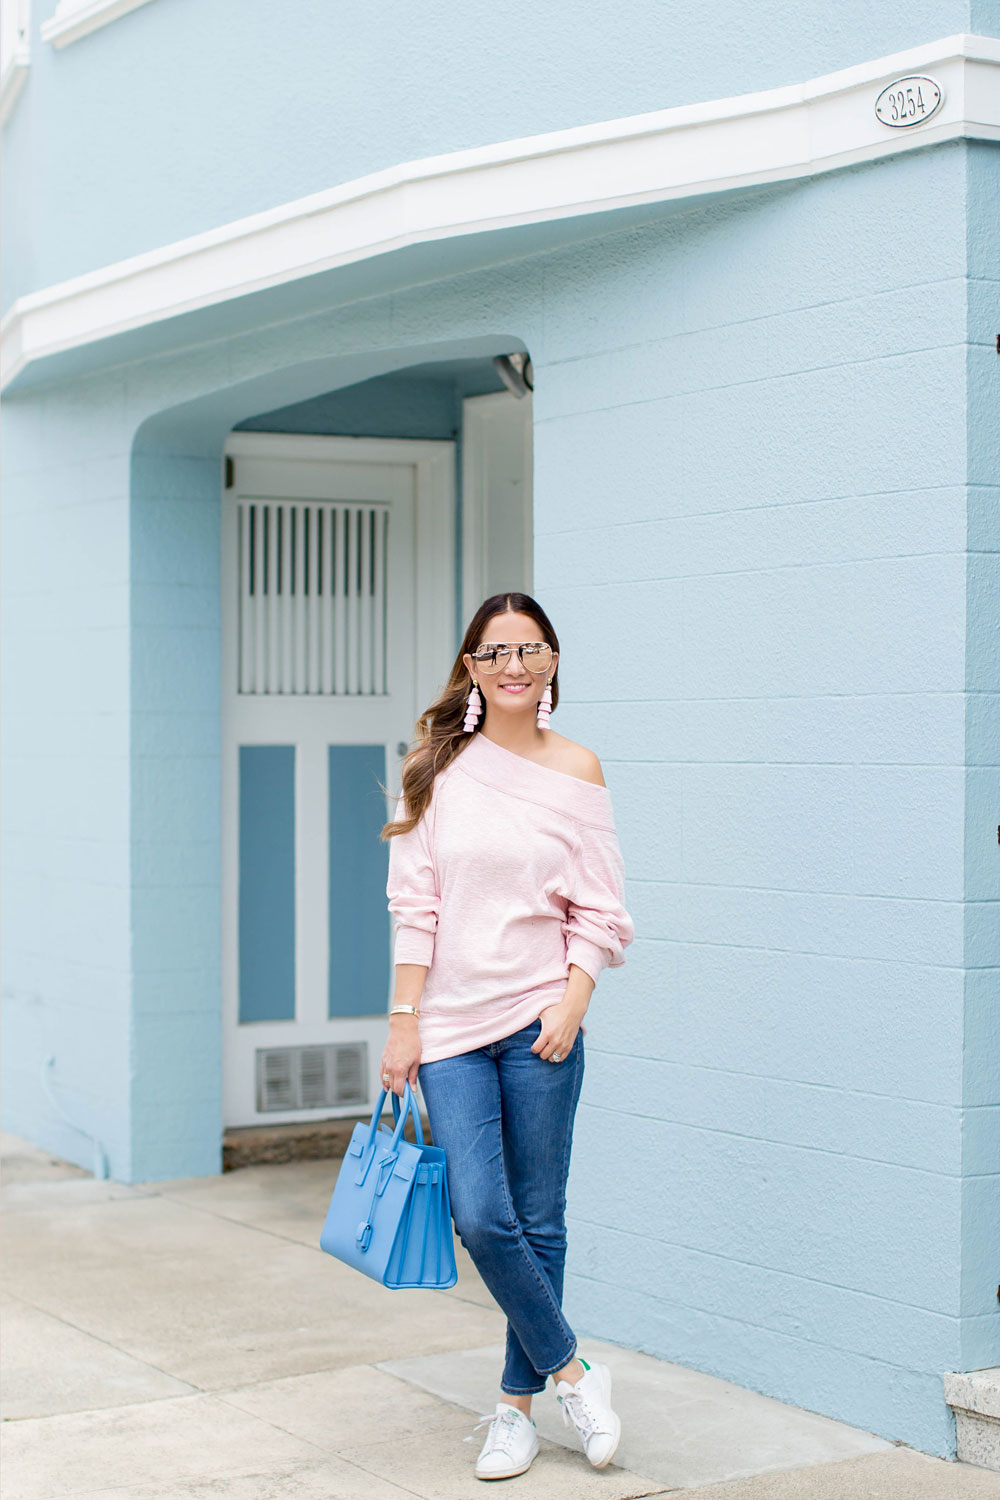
(505, 1120)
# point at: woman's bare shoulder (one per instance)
(575, 760)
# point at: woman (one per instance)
(506, 885)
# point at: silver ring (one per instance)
(557, 1057)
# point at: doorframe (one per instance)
(486, 422)
(434, 579)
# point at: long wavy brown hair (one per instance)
(440, 734)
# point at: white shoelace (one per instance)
(576, 1406)
(501, 1433)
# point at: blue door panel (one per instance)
(359, 868)
(267, 883)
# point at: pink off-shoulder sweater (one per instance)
(513, 873)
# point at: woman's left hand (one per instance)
(560, 1024)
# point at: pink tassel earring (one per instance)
(545, 706)
(472, 708)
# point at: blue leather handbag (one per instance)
(390, 1214)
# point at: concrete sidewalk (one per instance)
(190, 1339)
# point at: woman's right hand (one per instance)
(401, 1054)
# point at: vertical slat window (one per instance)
(313, 587)
(286, 596)
(324, 552)
(313, 593)
(380, 600)
(351, 600)
(359, 868)
(272, 552)
(366, 593)
(267, 883)
(340, 602)
(246, 644)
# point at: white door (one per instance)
(338, 630)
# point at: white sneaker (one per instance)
(510, 1446)
(588, 1406)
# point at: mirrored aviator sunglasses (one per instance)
(494, 656)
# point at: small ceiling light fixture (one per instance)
(516, 373)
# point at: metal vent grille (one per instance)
(312, 1077)
(313, 580)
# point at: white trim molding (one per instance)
(15, 52)
(74, 19)
(774, 136)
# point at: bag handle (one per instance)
(409, 1105)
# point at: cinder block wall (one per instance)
(751, 531)
(66, 909)
(981, 1119)
(174, 1111)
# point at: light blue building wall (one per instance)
(787, 731)
(765, 514)
(137, 156)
